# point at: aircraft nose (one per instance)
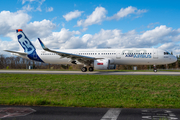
(174, 59)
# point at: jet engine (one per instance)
(104, 64)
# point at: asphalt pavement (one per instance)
(90, 73)
(74, 113)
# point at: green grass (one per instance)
(171, 70)
(126, 91)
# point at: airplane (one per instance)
(98, 59)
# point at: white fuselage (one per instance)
(128, 56)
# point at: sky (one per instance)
(91, 24)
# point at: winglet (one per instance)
(42, 45)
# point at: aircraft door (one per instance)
(155, 54)
(118, 54)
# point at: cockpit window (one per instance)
(167, 53)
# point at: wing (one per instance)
(20, 53)
(82, 59)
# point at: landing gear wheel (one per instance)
(83, 69)
(91, 69)
(155, 70)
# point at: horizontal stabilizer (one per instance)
(21, 53)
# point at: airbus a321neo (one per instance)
(99, 59)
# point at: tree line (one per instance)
(14, 62)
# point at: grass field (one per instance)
(126, 91)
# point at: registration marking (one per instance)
(158, 115)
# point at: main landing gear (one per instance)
(84, 69)
(155, 69)
(91, 69)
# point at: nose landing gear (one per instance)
(155, 69)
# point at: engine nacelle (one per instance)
(104, 64)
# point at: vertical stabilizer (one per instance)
(25, 42)
(27, 46)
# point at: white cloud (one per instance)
(157, 33)
(10, 21)
(23, 1)
(38, 7)
(27, 8)
(39, 28)
(63, 39)
(98, 15)
(86, 37)
(151, 25)
(125, 12)
(171, 47)
(167, 46)
(71, 15)
(141, 11)
(6, 45)
(176, 38)
(50, 9)
(115, 39)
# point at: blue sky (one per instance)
(92, 24)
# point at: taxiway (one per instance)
(71, 113)
(84, 73)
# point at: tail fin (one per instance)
(27, 46)
(25, 42)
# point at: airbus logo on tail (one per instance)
(28, 47)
